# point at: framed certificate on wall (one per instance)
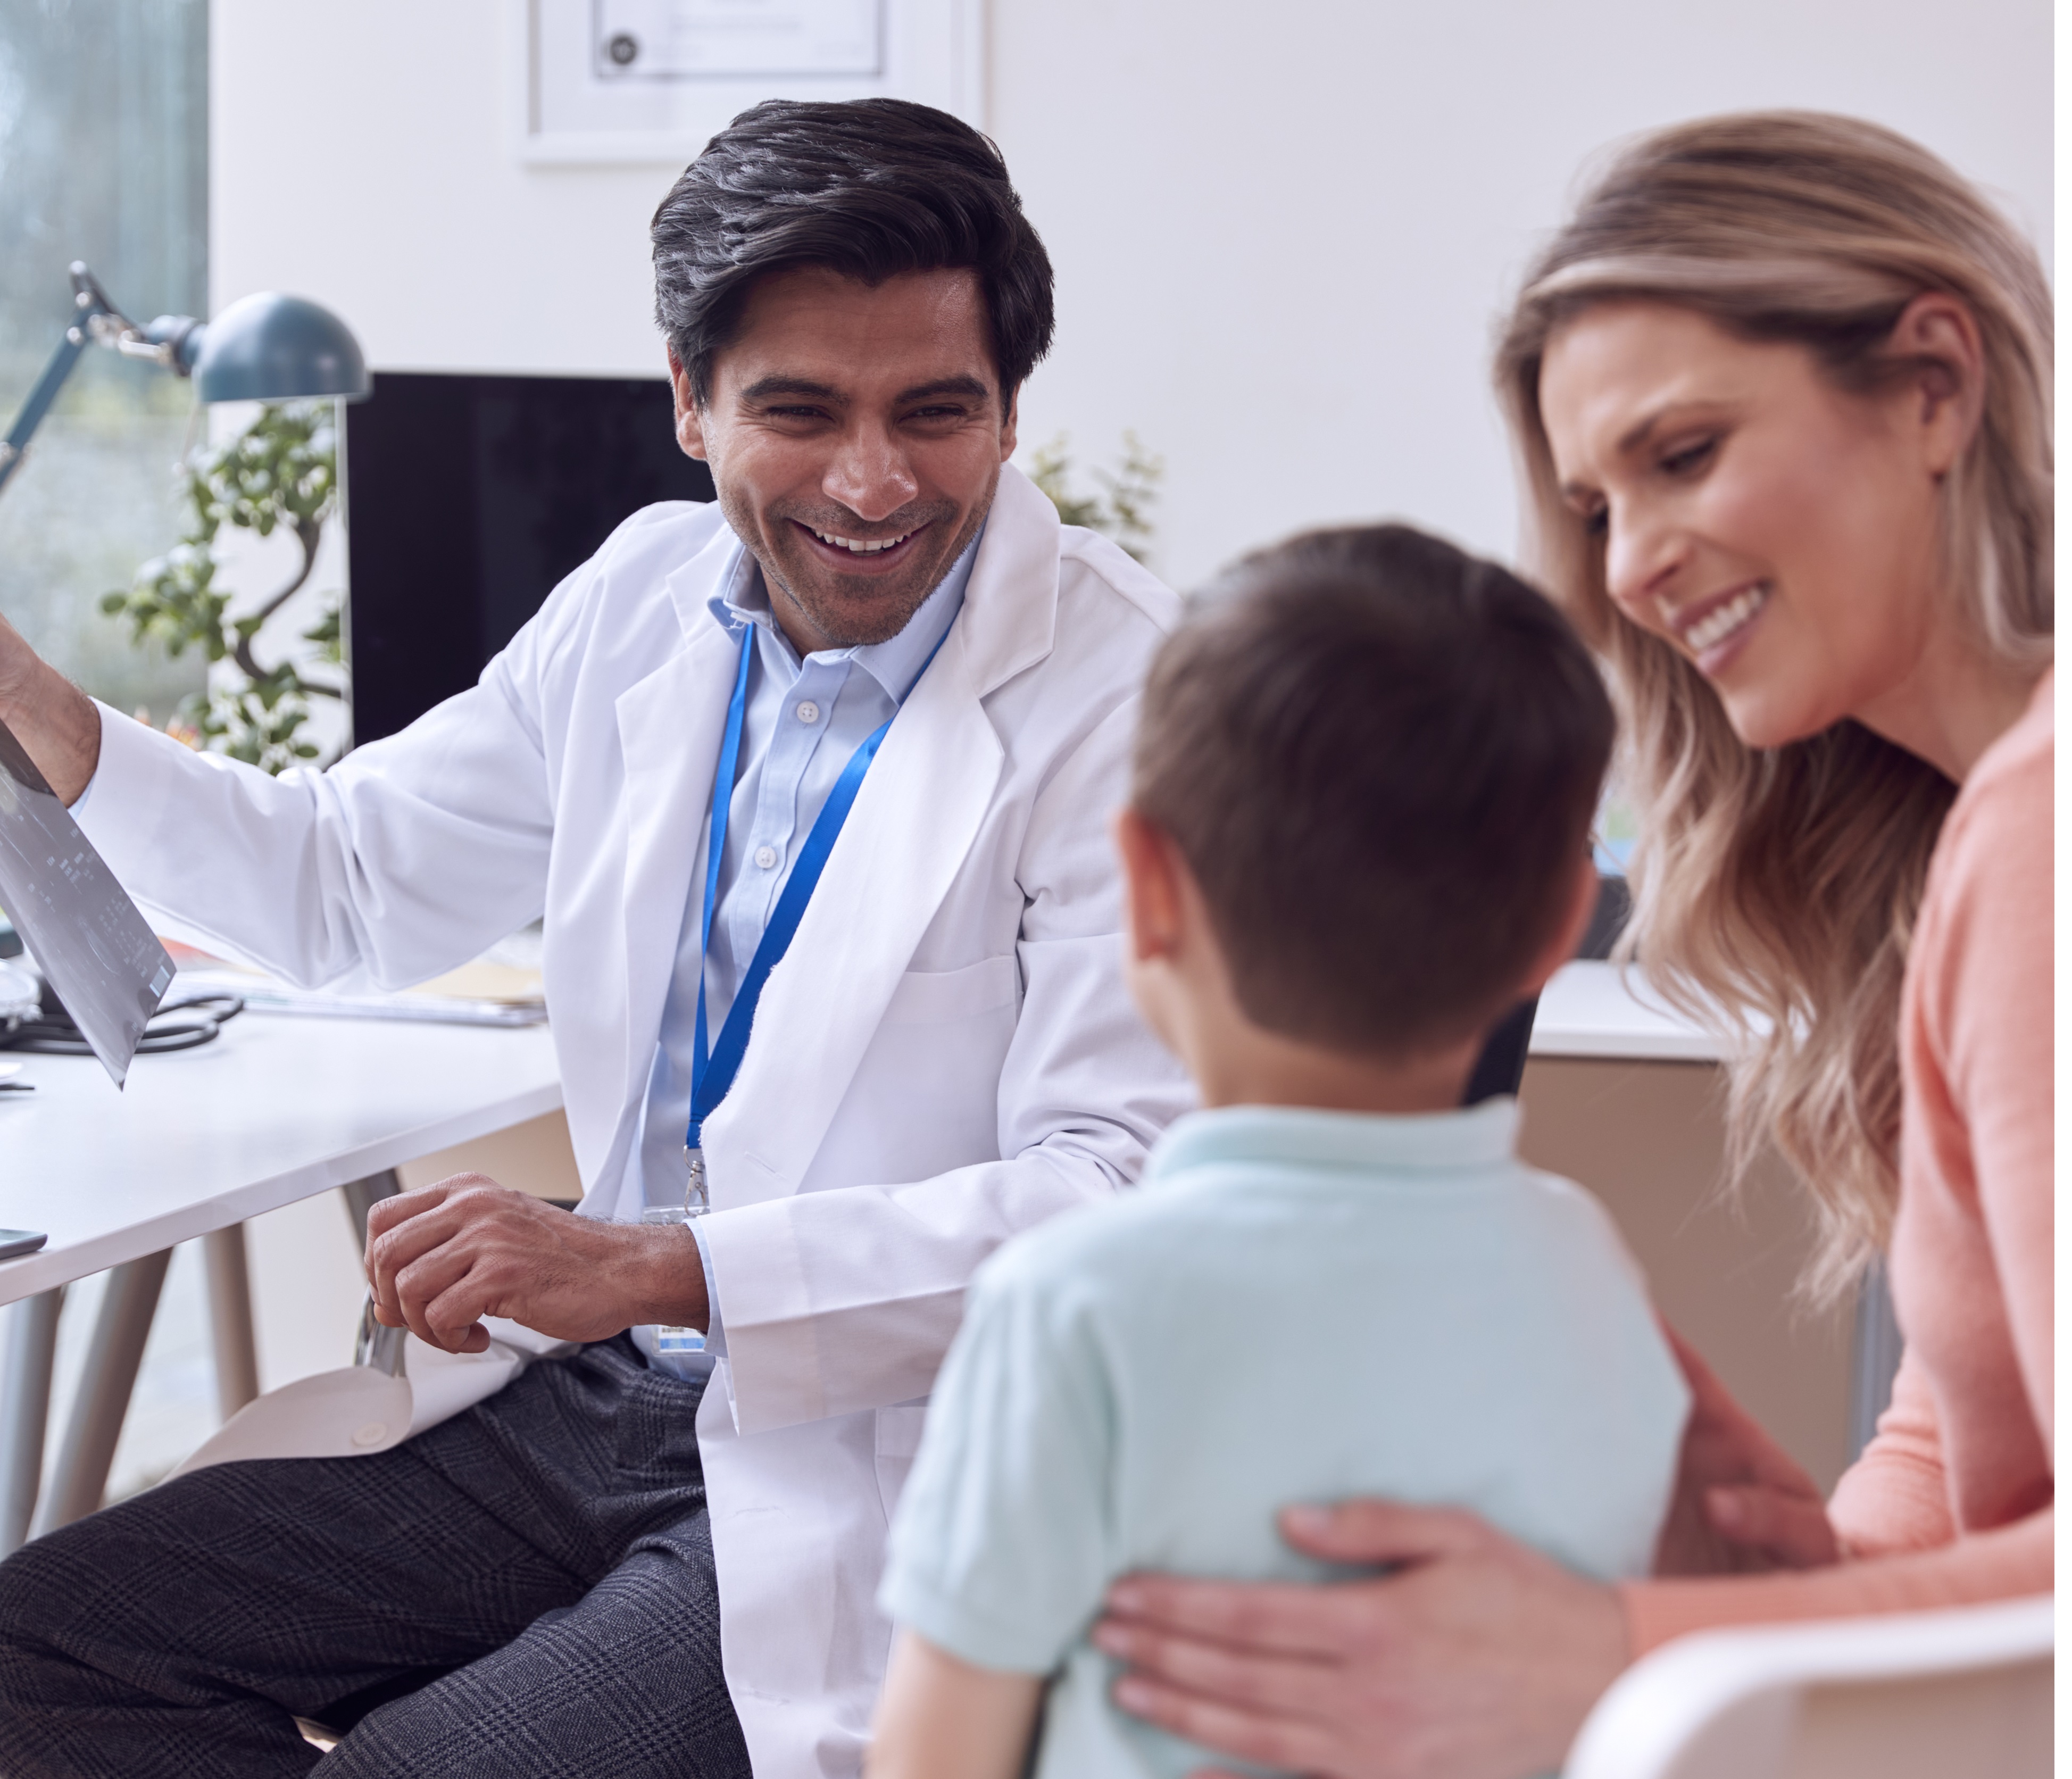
(652, 80)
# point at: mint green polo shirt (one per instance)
(1297, 1306)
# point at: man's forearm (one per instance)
(54, 720)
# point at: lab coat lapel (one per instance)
(906, 837)
(670, 727)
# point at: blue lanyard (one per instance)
(712, 1069)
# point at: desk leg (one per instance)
(126, 1310)
(362, 1195)
(230, 1318)
(32, 1345)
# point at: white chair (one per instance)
(395, 1386)
(1911, 1695)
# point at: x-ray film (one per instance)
(89, 941)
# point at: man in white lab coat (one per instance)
(879, 615)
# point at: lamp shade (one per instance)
(269, 347)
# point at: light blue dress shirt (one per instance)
(1297, 1306)
(802, 721)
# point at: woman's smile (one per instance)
(1780, 532)
(1713, 629)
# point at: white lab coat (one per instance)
(946, 1056)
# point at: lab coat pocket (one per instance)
(931, 997)
(926, 1097)
(899, 1439)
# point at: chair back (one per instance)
(1908, 1695)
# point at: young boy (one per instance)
(1358, 836)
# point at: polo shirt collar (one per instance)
(1301, 1137)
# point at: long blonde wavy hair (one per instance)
(1775, 890)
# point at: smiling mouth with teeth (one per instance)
(1716, 626)
(859, 547)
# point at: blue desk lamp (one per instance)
(261, 348)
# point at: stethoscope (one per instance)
(47, 1029)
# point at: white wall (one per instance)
(1282, 234)
(361, 154)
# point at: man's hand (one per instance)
(441, 1258)
(1741, 1504)
(50, 716)
(1475, 1658)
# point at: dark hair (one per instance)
(871, 187)
(1380, 758)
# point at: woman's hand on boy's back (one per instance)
(1741, 1505)
(1477, 1657)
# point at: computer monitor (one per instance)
(468, 499)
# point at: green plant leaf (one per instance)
(280, 473)
(1130, 490)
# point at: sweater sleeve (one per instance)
(1895, 1497)
(1986, 1019)
(2005, 1563)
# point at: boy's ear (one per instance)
(1583, 890)
(1150, 886)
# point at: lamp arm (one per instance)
(172, 341)
(39, 404)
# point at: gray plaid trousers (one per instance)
(527, 1590)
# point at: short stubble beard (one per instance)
(835, 619)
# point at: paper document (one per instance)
(476, 994)
(90, 942)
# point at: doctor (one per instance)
(878, 618)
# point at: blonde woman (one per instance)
(1782, 389)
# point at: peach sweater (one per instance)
(1951, 1501)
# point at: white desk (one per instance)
(278, 1108)
(282, 1107)
(1599, 1011)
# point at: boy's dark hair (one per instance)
(871, 187)
(1380, 758)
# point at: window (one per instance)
(104, 158)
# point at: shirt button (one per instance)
(809, 711)
(765, 856)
